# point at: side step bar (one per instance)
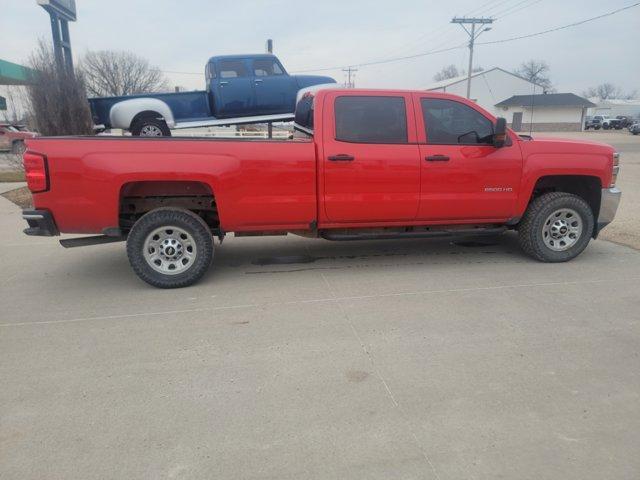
(462, 232)
(87, 241)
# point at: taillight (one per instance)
(615, 169)
(35, 171)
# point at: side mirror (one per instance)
(500, 133)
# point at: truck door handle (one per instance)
(224, 83)
(437, 158)
(258, 80)
(342, 158)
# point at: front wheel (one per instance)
(170, 248)
(556, 227)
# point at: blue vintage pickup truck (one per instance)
(241, 89)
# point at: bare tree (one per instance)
(608, 90)
(115, 73)
(536, 71)
(451, 71)
(56, 98)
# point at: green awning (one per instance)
(14, 74)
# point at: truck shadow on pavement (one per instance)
(290, 254)
(308, 255)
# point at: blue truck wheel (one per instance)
(150, 127)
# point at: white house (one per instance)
(544, 113)
(489, 87)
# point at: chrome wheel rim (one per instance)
(150, 131)
(170, 250)
(562, 229)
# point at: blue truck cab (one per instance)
(240, 89)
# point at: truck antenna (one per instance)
(533, 96)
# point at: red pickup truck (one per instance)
(363, 164)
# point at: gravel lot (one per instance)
(375, 360)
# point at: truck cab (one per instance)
(256, 85)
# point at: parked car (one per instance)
(12, 137)
(607, 122)
(635, 128)
(240, 89)
(367, 164)
(591, 122)
(624, 121)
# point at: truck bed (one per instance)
(256, 183)
(184, 105)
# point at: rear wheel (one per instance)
(556, 227)
(170, 248)
(150, 127)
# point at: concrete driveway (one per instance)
(379, 360)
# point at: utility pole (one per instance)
(472, 38)
(351, 73)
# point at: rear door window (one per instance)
(232, 69)
(371, 119)
(448, 122)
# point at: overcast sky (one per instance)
(179, 35)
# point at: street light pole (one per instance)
(472, 38)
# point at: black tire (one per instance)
(198, 236)
(531, 228)
(155, 125)
(18, 147)
(596, 128)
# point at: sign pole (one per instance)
(61, 12)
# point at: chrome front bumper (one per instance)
(609, 201)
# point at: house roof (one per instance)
(463, 78)
(546, 100)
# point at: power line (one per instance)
(442, 50)
(445, 29)
(575, 24)
(505, 14)
(422, 37)
(378, 62)
(504, 40)
(514, 6)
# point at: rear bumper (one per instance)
(609, 201)
(40, 222)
